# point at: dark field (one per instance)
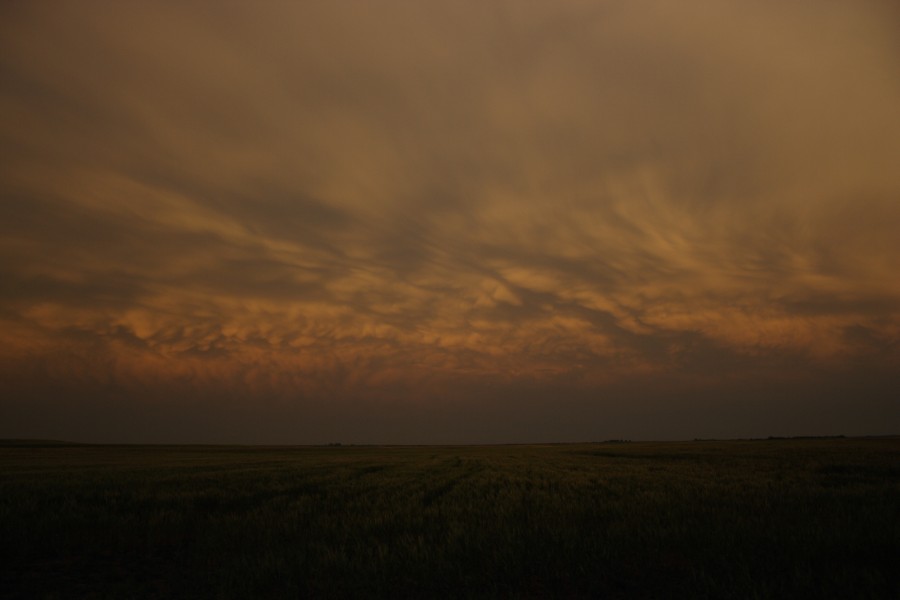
(755, 519)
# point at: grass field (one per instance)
(750, 519)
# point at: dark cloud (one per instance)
(471, 221)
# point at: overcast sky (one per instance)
(449, 221)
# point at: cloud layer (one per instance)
(446, 216)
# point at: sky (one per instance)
(449, 221)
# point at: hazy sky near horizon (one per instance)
(466, 221)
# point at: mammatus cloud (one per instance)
(411, 207)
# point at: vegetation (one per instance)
(749, 519)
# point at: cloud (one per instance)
(398, 202)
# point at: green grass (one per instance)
(755, 519)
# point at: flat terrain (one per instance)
(748, 519)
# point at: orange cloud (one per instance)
(312, 202)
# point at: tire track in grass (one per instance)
(468, 471)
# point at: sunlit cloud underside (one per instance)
(464, 209)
